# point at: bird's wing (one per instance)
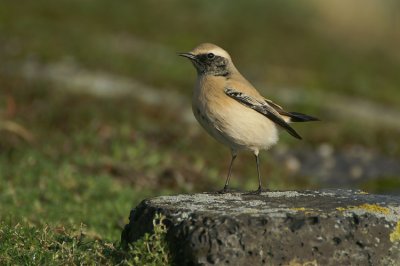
(294, 116)
(263, 107)
(278, 108)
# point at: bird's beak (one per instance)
(188, 55)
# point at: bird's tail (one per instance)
(299, 117)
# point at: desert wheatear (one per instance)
(231, 110)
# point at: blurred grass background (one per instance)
(95, 105)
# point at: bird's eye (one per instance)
(210, 55)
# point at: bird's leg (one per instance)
(259, 175)
(258, 191)
(225, 189)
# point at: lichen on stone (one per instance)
(296, 262)
(299, 209)
(374, 208)
(287, 194)
(395, 235)
(304, 210)
(329, 227)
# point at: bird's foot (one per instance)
(255, 192)
(224, 190)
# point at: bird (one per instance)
(231, 109)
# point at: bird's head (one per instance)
(209, 59)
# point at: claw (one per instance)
(255, 192)
(224, 190)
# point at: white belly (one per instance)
(237, 126)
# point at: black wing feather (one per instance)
(294, 116)
(299, 117)
(263, 108)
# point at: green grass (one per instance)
(66, 195)
(76, 164)
(90, 162)
(152, 249)
(25, 244)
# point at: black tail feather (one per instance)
(299, 117)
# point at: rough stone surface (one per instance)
(331, 227)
